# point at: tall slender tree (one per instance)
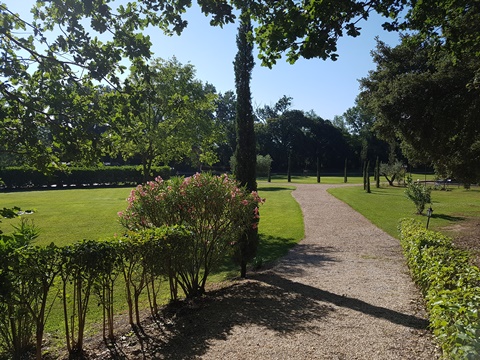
(243, 65)
(245, 152)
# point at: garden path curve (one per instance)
(343, 292)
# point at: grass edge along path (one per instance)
(386, 206)
(281, 227)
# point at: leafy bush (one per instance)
(264, 164)
(451, 286)
(419, 194)
(26, 276)
(213, 208)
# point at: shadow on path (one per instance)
(343, 301)
(186, 332)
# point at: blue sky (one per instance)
(326, 87)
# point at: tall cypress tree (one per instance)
(245, 152)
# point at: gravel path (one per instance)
(343, 293)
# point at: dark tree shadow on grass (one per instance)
(447, 217)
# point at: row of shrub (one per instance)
(179, 230)
(22, 177)
(451, 286)
(32, 278)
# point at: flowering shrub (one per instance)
(215, 210)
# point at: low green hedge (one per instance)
(451, 286)
(22, 177)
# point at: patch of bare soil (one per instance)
(466, 236)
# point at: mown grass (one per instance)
(384, 207)
(67, 216)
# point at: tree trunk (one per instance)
(289, 166)
(368, 177)
(318, 170)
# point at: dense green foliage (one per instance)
(22, 177)
(429, 103)
(214, 209)
(163, 114)
(282, 229)
(451, 286)
(245, 150)
(302, 140)
(33, 277)
(54, 111)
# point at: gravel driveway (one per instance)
(344, 292)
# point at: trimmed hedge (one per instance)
(33, 277)
(22, 177)
(451, 286)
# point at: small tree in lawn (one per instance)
(392, 171)
(419, 194)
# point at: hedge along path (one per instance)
(344, 292)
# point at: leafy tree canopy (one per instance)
(426, 99)
(71, 42)
(164, 114)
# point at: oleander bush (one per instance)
(451, 286)
(214, 209)
(177, 230)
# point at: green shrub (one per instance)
(419, 194)
(213, 208)
(451, 286)
(26, 275)
(264, 164)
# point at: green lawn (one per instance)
(386, 206)
(66, 216)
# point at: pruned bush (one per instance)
(214, 209)
(451, 286)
